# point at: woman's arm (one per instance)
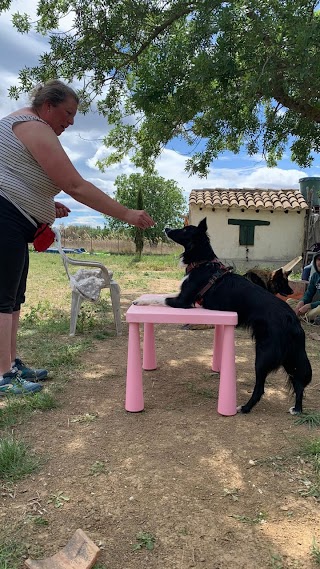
(45, 147)
(311, 290)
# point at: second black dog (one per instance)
(279, 337)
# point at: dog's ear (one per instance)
(281, 272)
(203, 225)
(277, 273)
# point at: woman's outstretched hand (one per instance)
(139, 218)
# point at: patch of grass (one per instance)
(311, 453)
(58, 500)
(11, 553)
(97, 468)
(7, 489)
(276, 561)
(86, 418)
(13, 412)
(103, 335)
(91, 313)
(312, 450)
(43, 401)
(260, 518)
(38, 521)
(17, 408)
(67, 354)
(279, 463)
(312, 447)
(207, 393)
(145, 540)
(310, 418)
(311, 490)
(315, 552)
(16, 459)
(35, 314)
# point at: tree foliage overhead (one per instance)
(221, 75)
(163, 200)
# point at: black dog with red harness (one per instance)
(279, 337)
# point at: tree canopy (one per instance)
(221, 75)
(163, 200)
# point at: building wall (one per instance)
(275, 244)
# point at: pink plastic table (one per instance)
(223, 359)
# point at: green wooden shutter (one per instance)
(246, 229)
(246, 235)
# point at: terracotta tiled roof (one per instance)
(248, 199)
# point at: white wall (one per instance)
(280, 241)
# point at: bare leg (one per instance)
(5, 342)
(14, 332)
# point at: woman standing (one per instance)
(34, 168)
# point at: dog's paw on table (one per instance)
(150, 300)
(197, 326)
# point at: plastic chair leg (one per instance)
(115, 301)
(76, 301)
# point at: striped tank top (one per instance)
(22, 180)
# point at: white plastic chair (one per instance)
(86, 284)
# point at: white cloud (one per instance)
(274, 178)
(172, 165)
(73, 154)
(86, 219)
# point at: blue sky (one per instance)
(83, 140)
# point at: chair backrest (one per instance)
(64, 257)
(105, 275)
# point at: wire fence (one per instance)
(113, 245)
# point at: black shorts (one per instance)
(16, 231)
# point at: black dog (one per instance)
(275, 282)
(279, 337)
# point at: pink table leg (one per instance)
(149, 351)
(227, 400)
(217, 347)
(134, 387)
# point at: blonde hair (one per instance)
(54, 91)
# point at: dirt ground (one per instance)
(213, 492)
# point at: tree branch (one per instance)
(303, 108)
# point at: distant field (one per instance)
(119, 246)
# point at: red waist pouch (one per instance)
(44, 237)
